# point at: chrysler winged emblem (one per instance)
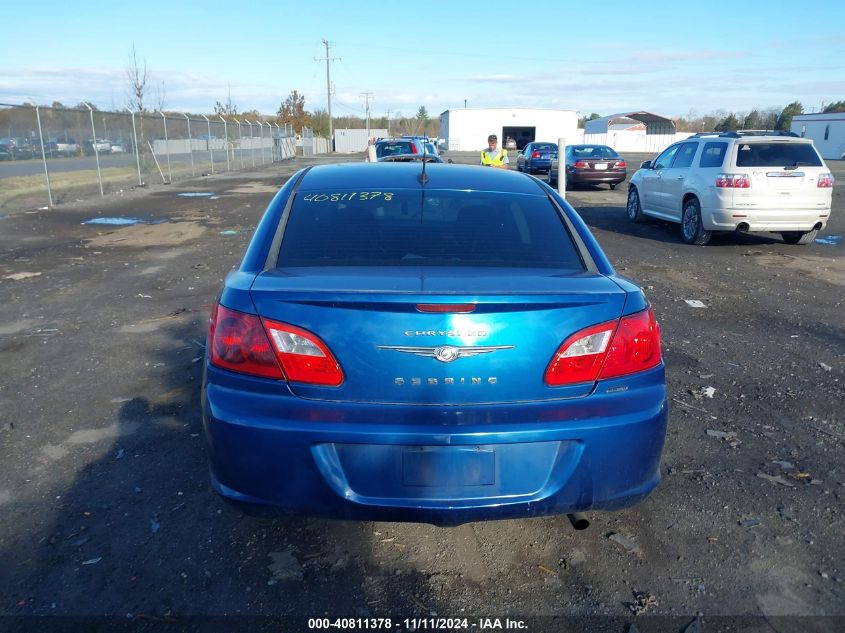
(446, 353)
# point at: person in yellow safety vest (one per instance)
(493, 156)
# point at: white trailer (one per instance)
(827, 129)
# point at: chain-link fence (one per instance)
(51, 155)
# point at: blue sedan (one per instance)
(536, 157)
(442, 345)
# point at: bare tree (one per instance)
(160, 96)
(137, 75)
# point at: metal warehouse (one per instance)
(624, 131)
(467, 129)
(827, 129)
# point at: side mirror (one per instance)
(645, 165)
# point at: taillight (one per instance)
(304, 357)
(239, 343)
(535, 155)
(620, 164)
(733, 181)
(825, 180)
(580, 164)
(607, 350)
(414, 148)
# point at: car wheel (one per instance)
(692, 229)
(635, 211)
(612, 186)
(797, 237)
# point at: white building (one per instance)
(467, 129)
(827, 129)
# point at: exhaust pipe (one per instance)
(579, 521)
(742, 227)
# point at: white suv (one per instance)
(736, 181)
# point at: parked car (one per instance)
(590, 165)
(510, 144)
(536, 156)
(102, 146)
(407, 158)
(394, 146)
(17, 148)
(438, 350)
(736, 182)
(61, 146)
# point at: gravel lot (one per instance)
(107, 510)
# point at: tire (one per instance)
(612, 186)
(633, 208)
(797, 237)
(692, 230)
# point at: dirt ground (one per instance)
(105, 504)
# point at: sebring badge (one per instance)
(446, 353)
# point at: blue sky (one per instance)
(604, 57)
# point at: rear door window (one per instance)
(713, 154)
(443, 228)
(777, 155)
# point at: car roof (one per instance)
(377, 176)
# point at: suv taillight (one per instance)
(241, 343)
(607, 350)
(825, 180)
(733, 181)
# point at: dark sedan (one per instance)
(443, 349)
(591, 165)
(536, 157)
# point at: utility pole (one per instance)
(328, 59)
(388, 122)
(367, 96)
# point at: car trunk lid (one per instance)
(391, 351)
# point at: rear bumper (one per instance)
(538, 164)
(596, 177)
(271, 452)
(773, 220)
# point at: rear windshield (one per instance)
(593, 151)
(776, 155)
(393, 148)
(545, 147)
(443, 228)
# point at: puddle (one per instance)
(195, 194)
(830, 240)
(124, 221)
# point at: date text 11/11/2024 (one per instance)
(417, 624)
